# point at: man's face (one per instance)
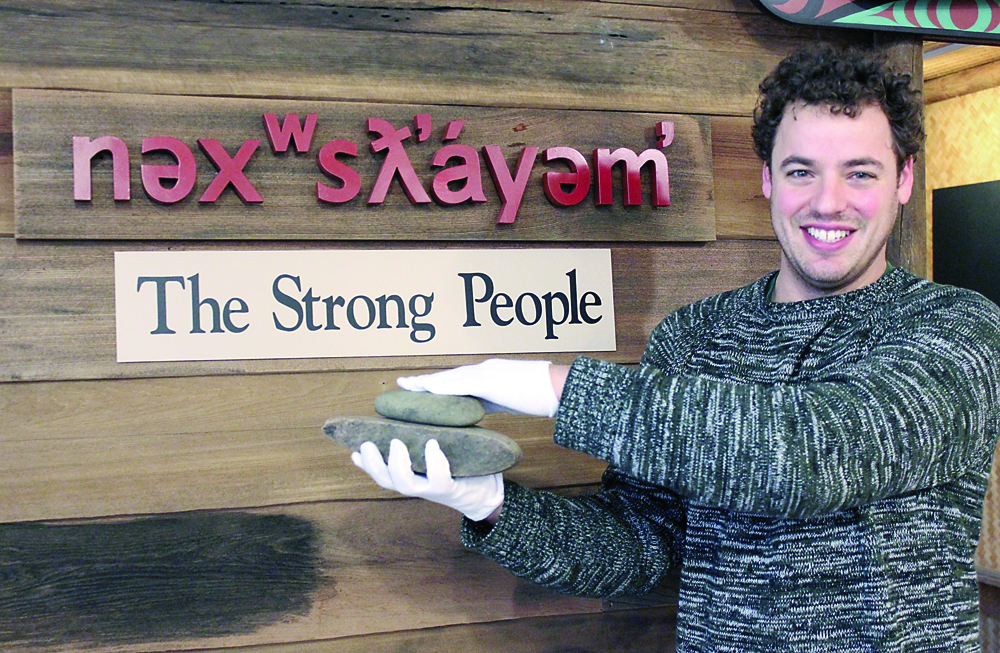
(834, 195)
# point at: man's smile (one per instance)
(828, 236)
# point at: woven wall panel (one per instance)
(962, 137)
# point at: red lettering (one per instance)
(84, 151)
(183, 174)
(395, 161)
(577, 179)
(230, 170)
(665, 132)
(469, 170)
(290, 129)
(330, 165)
(423, 124)
(604, 161)
(511, 190)
(453, 130)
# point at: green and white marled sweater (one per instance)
(817, 468)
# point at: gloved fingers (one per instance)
(369, 459)
(520, 387)
(481, 496)
(456, 381)
(401, 471)
(438, 467)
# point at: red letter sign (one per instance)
(578, 177)
(469, 170)
(511, 190)
(84, 150)
(395, 160)
(290, 128)
(184, 173)
(329, 164)
(230, 170)
(605, 160)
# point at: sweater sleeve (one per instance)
(620, 541)
(920, 410)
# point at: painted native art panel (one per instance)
(938, 19)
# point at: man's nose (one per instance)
(830, 197)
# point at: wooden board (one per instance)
(65, 453)
(646, 630)
(965, 82)
(690, 57)
(57, 304)
(908, 242)
(741, 211)
(6, 164)
(286, 182)
(222, 579)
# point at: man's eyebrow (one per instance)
(796, 161)
(864, 161)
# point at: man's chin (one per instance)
(830, 281)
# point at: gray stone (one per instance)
(427, 408)
(471, 450)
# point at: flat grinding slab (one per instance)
(427, 408)
(471, 450)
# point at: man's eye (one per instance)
(798, 174)
(861, 174)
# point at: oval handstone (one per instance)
(428, 408)
(471, 450)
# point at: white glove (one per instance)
(476, 497)
(514, 386)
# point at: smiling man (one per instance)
(835, 188)
(811, 449)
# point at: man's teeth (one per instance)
(828, 235)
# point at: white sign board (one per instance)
(227, 305)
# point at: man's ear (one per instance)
(904, 186)
(766, 181)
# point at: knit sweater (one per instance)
(817, 468)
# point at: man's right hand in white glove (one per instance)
(525, 387)
(476, 497)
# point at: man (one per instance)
(812, 449)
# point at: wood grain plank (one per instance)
(57, 307)
(645, 630)
(968, 81)
(741, 210)
(143, 446)
(6, 163)
(74, 477)
(187, 405)
(684, 58)
(311, 573)
(47, 122)
(192, 405)
(948, 62)
(908, 242)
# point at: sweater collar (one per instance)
(886, 289)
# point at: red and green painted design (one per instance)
(942, 19)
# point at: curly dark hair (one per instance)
(847, 80)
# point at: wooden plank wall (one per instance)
(197, 506)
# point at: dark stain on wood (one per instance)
(165, 578)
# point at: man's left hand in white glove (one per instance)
(476, 497)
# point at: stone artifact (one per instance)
(471, 450)
(427, 408)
